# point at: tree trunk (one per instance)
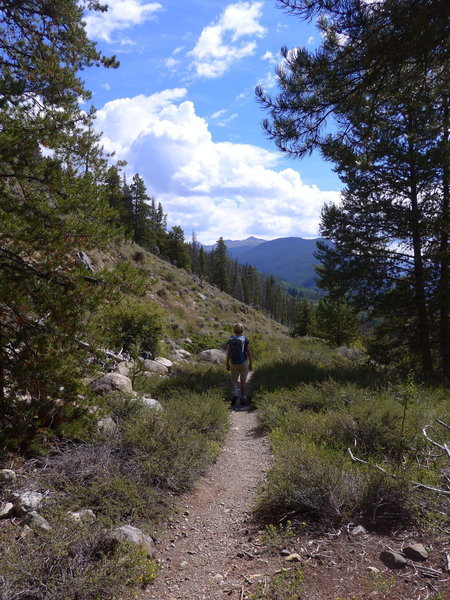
(419, 278)
(444, 279)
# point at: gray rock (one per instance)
(128, 533)
(151, 366)
(112, 382)
(181, 354)
(6, 510)
(7, 475)
(393, 560)
(85, 515)
(107, 425)
(123, 368)
(34, 519)
(358, 530)
(152, 403)
(165, 362)
(416, 552)
(27, 501)
(213, 355)
(373, 570)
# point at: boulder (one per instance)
(27, 501)
(128, 533)
(112, 382)
(181, 354)
(393, 560)
(165, 362)
(85, 515)
(123, 368)
(416, 552)
(213, 355)
(151, 366)
(34, 519)
(107, 425)
(6, 510)
(7, 476)
(152, 403)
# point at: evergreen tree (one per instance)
(176, 248)
(381, 73)
(336, 321)
(50, 207)
(220, 266)
(303, 319)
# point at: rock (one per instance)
(416, 552)
(165, 362)
(85, 515)
(27, 501)
(213, 355)
(128, 533)
(152, 403)
(7, 475)
(373, 570)
(218, 578)
(123, 368)
(6, 510)
(83, 259)
(294, 557)
(358, 530)
(34, 519)
(181, 354)
(151, 366)
(393, 560)
(107, 425)
(112, 382)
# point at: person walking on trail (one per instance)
(239, 363)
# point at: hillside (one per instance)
(194, 308)
(290, 259)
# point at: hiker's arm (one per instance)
(228, 358)
(250, 358)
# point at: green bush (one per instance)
(71, 562)
(134, 323)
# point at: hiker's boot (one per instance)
(237, 404)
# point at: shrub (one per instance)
(133, 324)
(71, 562)
(309, 481)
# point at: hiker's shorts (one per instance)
(239, 371)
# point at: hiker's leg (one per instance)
(244, 373)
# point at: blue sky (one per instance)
(181, 111)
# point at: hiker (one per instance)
(239, 362)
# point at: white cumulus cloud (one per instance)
(217, 189)
(221, 44)
(121, 14)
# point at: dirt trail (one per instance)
(210, 550)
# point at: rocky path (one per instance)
(210, 550)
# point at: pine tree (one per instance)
(336, 321)
(381, 73)
(176, 248)
(51, 206)
(220, 266)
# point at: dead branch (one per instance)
(415, 483)
(443, 447)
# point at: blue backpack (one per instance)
(238, 355)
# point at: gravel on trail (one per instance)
(210, 549)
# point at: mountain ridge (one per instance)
(289, 259)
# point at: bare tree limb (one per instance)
(415, 483)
